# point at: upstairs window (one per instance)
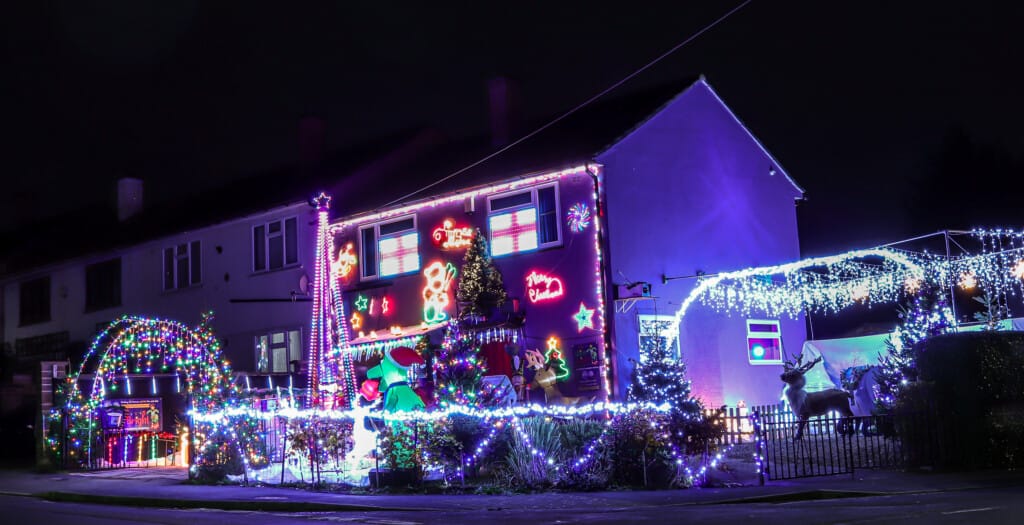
(275, 245)
(34, 301)
(389, 248)
(183, 266)
(103, 285)
(524, 221)
(275, 351)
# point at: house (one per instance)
(590, 221)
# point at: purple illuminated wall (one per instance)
(573, 261)
(691, 190)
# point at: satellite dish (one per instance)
(304, 284)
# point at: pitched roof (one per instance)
(572, 140)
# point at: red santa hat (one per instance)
(404, 357)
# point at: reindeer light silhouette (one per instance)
(806, 405)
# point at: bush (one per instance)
(534, 455)
(639, 450)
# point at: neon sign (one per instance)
(345, 263)
(435, 294)
(357, 321)
(385, 305)
(361, 303)
(450, 237)
(542, 287)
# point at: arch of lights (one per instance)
(822, 284)
(135, 345)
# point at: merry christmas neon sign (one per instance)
(543, 287)
(450, 237)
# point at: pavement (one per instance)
(167, 487)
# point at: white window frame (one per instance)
(284, 245)
(666, 333)
(292, 354)
(174, 265)
(764, 335)
(377, 238)
(532, 204)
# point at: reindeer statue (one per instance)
(544, 377)
(806, 405)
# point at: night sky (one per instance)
(899, 118)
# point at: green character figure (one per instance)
(392, 373)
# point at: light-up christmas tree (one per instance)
(459, 368)
(481, 289)
(659, 377)
(927, 315)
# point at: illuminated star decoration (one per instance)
(578, 217)
(968, 281)
(584, 318)
(912, 285)
(385, 306)
(357, 321)
(362, 303)
(553, 346)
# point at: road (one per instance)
(988, 505)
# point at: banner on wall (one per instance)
(587, 362)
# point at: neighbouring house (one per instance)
(590, 221)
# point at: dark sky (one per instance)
(897, 117)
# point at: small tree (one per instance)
(927, 315)
(459, 368)
(480, 287)
(660, 377)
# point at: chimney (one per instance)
(501, 95)
(129, 198)
(311, 140)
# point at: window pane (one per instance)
(291, 239)
(182, 277)
(197, 263)
(399, 254)
(259, 249)
(294, 345)
(34, 301)
(280, 354)
(546, 207)
(274, 227)
(513, 232)
(511, 201)
(262, 354)
(369, 247)
(103, 285)
(169, 269)
(277, 338)
(397, 226)
(275, 252)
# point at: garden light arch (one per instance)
(135, 345)
(847, 280)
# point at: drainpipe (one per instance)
(604, 267)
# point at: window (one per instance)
(764, 342)
(275, 245)
(103, 285)
(275, 351)
(658, 330)
(389, 248)
(524, 221)
(182, 266)
(34, 301)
